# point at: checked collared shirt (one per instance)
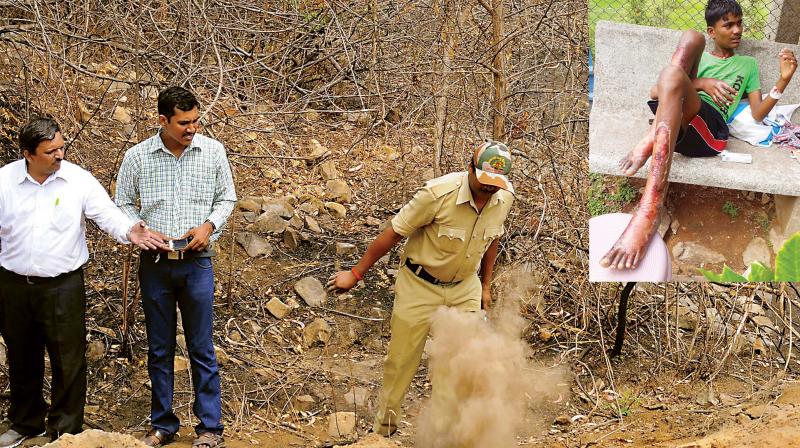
(177, 194)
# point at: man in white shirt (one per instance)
(44, 201)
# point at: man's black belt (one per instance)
(179, 254)
(420, 272)
(33, 280)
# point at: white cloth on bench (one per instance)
(744, 127)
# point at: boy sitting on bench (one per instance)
(693, 99)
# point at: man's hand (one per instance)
(720, 92)
(162, 237)
(147, 239)
(200, 236)
(788, 64)
(342, 281)
(486, 298)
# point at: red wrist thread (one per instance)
(358, 276)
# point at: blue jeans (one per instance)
(188, 283)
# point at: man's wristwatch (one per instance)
(213, 227)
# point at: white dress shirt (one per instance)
(42, 226)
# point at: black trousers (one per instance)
(47, 315)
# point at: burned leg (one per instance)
(686, 57)
(688, 52)
(627, 251)
(679, 103)
(631, 163)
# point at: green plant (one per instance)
(597, 200)
(762, 219)
(625, 403)
(601, 202)
(787, 267)
(597, 207)
(730, 209)
(625, 192)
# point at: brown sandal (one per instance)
(157, 438)
(208, 440)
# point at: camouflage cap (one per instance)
(492, 164)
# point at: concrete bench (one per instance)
(627, 61)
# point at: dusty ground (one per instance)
(664, 411)
(737, 416)
(734, 414)
(701, 217)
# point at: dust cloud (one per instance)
(483, 380)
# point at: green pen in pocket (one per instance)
(57, 201)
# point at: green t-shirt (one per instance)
(739, 72)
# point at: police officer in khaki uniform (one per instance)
(453, 225)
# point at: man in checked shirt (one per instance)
(185, 189)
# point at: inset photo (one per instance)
(694, 143)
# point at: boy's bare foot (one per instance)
(631, 163)
(628, 250)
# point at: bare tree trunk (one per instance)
(498, 67)
(440, 105)
(126, 266)
(440, 88)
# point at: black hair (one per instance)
(35, 131)
(717, 9)
(173, 97)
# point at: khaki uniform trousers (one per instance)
(415, 302)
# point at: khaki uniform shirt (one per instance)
(445, 232)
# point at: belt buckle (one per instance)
(174, 255)
(28, 280)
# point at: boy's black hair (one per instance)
(716, 9)
(35, 131)
(173, 97)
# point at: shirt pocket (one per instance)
(200, 182)
(153, 194)
(65, 215)
(155, 190)
(490, 234)
(450, 239)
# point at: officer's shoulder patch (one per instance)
(445, 184)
